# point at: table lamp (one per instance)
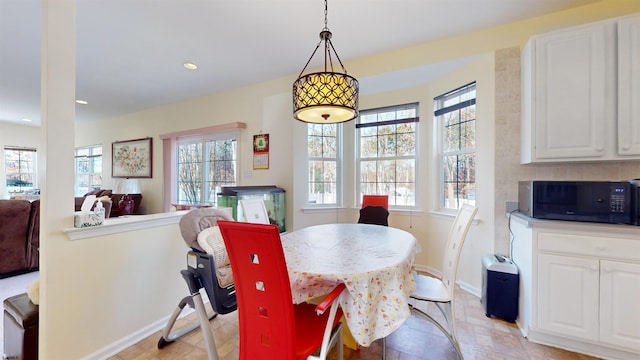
(126, 187)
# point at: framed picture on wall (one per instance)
(261, 151)
(132, 158)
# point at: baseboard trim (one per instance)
(581, 346)
(463, 285)
(470, 289)
(131, 339)
(427, 269)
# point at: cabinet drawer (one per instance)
(597, 246)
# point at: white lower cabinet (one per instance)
(568, 295)
(579, 286)
(620, 304)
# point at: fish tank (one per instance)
(273, 197)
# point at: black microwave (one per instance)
(593, 201)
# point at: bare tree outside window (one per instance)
(189, 173)
(322, 160)
(204, 167)
(387, 153)
(88, 169)
(455, 113)
(20, 169)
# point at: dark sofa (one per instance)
(115, 198)
(19, 236)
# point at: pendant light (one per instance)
(325, 97)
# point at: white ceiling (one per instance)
(130, 52)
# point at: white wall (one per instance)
(270, 113)
(481, 236)
(262, 110)
(111, 287)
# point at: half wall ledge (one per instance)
(125, 223)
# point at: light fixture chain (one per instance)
(325, 15)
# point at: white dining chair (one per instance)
(441, 291)
(254, 211)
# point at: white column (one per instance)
(55, 166)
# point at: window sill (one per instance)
(318, 210)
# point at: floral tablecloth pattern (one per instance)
(374, 262)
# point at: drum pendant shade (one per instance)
(325, 97)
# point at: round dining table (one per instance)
(373, 261)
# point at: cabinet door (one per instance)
(568, 296)
(629, 86)
(619, 296)
(574, 92)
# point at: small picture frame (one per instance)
(132, 158)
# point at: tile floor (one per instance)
(480, 338)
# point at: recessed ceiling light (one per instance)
(26, 120)
(82, 102)
(190, 66)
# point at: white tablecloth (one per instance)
(373, 261)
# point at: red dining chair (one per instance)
(376, 200)
(271, 326)
(441, 291)
(208, 268)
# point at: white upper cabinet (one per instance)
(629, 85)
(571, 95)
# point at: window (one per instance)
(88, 165)
(204, 165)
(323, 166)
(387, 148)
(455, 113)
(20, 169)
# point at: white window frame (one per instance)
(338, 166)
(34, 174)
(203, 138)
(442, 104)
(415, 156)
(93, 154)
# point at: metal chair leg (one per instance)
(450, 334)
(194, 300)
(204, 325)
(168, 336)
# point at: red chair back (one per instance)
(376, 200)
(263, 292)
